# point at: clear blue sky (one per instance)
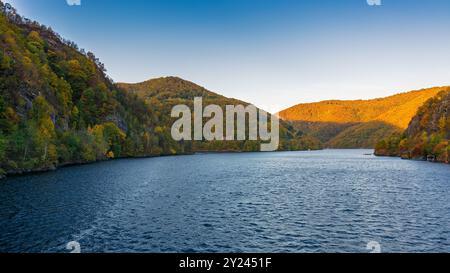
(272, 53)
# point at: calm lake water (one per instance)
(325, 201)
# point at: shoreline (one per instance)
(21, 173)
(428, 159)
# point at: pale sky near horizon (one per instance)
(273, 53)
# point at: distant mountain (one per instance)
(359, 123)
(174, 90)
(168, 88)
(427, 136)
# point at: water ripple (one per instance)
(326, 201)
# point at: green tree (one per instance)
(42, 131)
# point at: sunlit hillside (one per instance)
(397, 110)
(359, 123)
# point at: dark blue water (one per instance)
(326, 201)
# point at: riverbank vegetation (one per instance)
(428, 134)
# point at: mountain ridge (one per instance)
(354, 109)
(175, 91)
(173, 87)
(358, 123)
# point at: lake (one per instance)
(321, 201)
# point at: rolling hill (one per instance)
(174, 91)
(359, 123)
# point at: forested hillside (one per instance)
(360, 123)
(427, 136)
(58, 106)
(174, 91)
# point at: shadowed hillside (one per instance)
(363, 135)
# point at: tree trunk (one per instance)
(45, 151)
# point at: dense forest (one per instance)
(360, 123)
(174, 91)
(58, 106)
(428, 134)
